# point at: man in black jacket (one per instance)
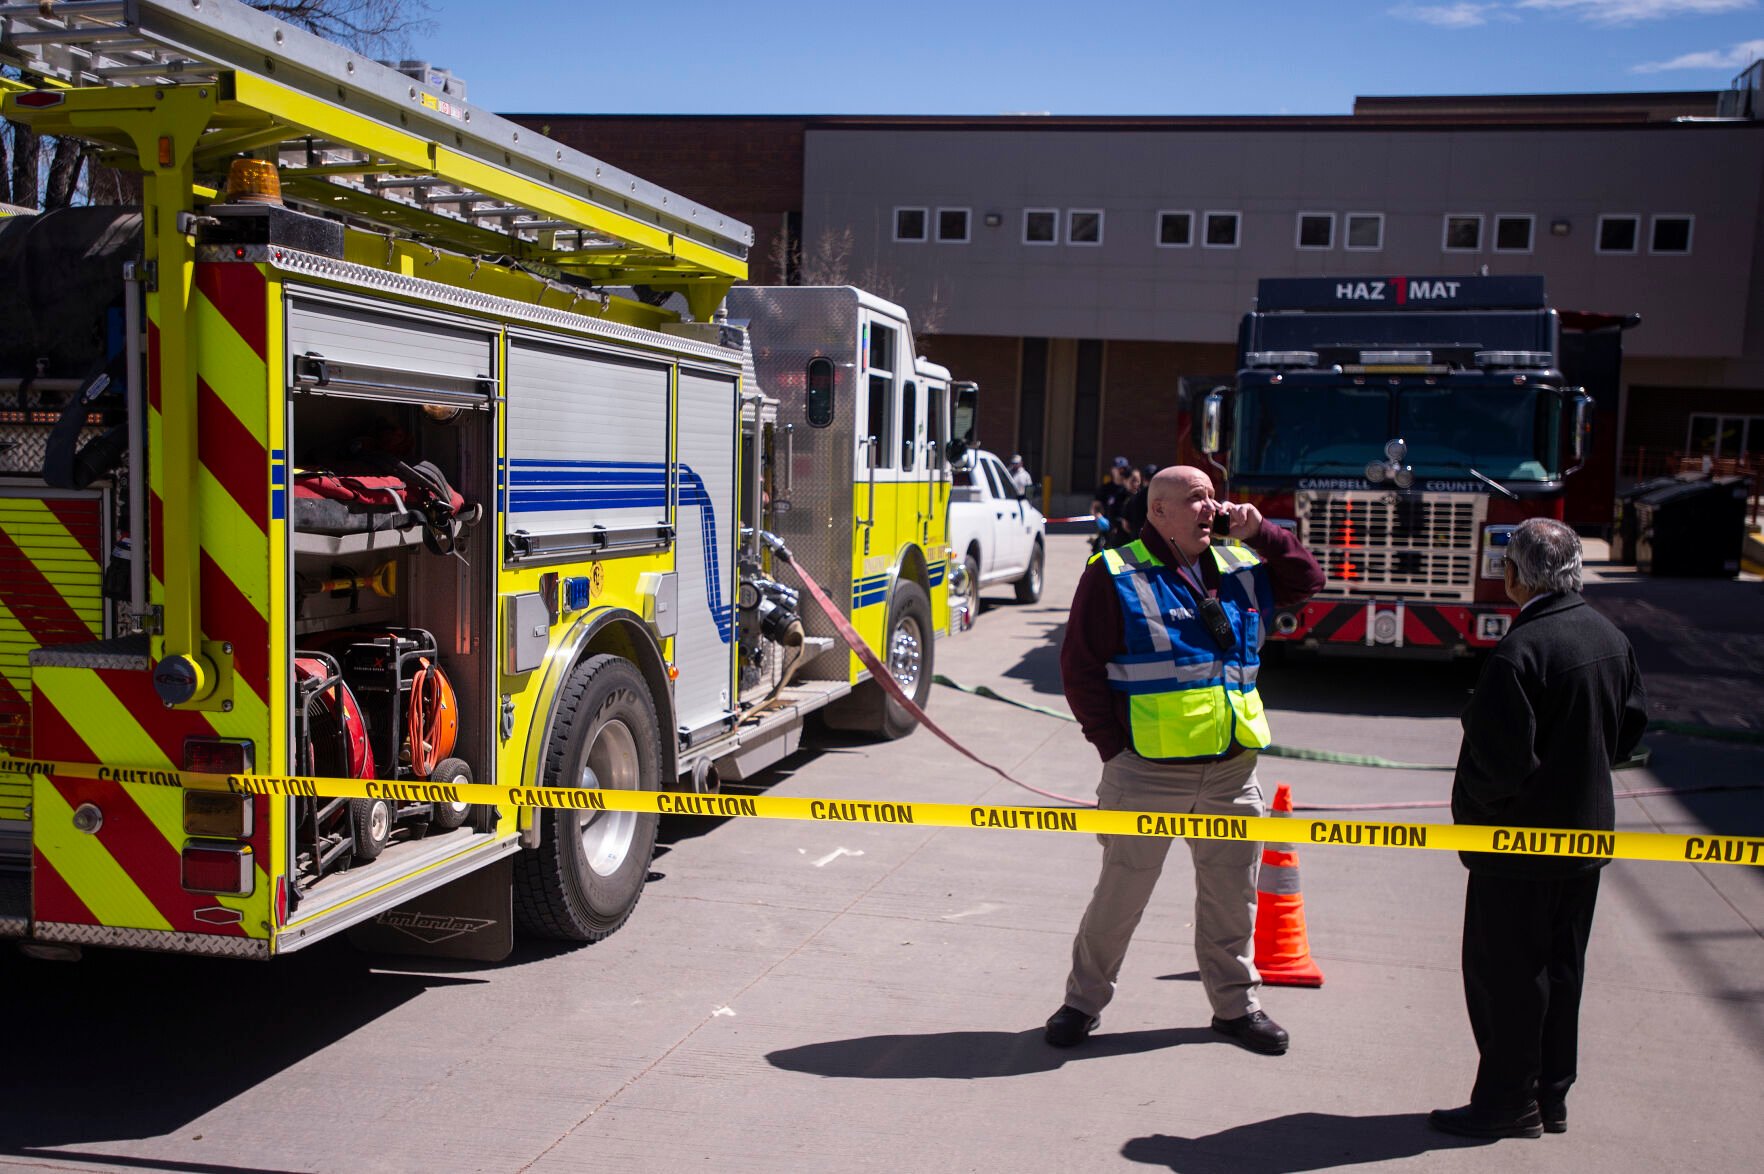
(1560, 701)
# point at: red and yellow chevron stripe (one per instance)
(126, 874)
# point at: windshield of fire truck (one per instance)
(1502, 431)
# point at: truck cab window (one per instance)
(909, 426)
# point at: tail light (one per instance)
(219, 756)
(219, 868)
(218, 815)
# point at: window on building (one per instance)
(909, 224)
(1084, 226)
(1175, 230)
(1220, 230)
(1363, 231)
(952, 225)
(1463, 234)
(1316, 230)
(1671, 234)
(1619, 233)
(1041, 226)
(1513, 233)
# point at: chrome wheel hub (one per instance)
(612, 764)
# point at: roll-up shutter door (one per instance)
(52, 551)
(705, 555)
(587, 445)
(378, 341)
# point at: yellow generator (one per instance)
(350, 454)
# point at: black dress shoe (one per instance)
(1555, 1116)
(1254, 1031)
(1470, 1121)
(1069, 1026)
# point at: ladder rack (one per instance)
(360, 139)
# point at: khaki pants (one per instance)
(1224, 880)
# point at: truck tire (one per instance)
(1029, 586)
(587, 874)
(447, 816)
(908, 649)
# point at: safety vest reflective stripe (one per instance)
(1241, 674)
(1163, 670)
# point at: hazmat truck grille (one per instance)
(1418, 546)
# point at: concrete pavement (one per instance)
(795, 996)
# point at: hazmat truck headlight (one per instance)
(1384, 627)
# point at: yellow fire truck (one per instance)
(365, 448)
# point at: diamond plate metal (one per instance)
(165, 941)
(789, 325)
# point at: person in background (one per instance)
(1159, 665)
(1119, 534)
(1133, 513)
(1107, 498)
(1559, 702)
(1020, 476)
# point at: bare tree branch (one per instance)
(65, 165)
(371, 26)
(26, 184)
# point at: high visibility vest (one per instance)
(1187, 697)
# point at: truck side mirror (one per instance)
(1212, 421)
(967, 408)
(955, 451)
(1583, 423)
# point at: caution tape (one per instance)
(1508, 841)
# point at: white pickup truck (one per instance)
(995, 536)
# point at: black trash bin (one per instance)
(1695, 529)
(1623, 517)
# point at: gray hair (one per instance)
(1545, 555)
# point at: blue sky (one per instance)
(1066, 57)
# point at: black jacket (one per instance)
(1559, 702)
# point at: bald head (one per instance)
(1176, 483)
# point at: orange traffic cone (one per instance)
(1283, 951)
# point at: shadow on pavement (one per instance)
(1295, 1142)
(126, 1045)
(971, 1055)
(1700, 644)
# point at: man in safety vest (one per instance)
(1159, 665)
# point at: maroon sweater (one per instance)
(1094, 634)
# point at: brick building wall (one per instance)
(1141, 405)
(993, 364)
(746, 167)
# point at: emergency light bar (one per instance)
(1396, 358)
(1512, 358)
(1280, 358)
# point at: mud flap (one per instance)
(470, 918)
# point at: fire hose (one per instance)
(885, 679)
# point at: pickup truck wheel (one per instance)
(1029, 586)
(587, 874)
(907, 649)
(964, 592)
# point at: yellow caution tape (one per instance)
(1510, 841)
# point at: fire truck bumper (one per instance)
(1361, 627)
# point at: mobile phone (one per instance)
(1222, 519)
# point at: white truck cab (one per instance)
(995, 536)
